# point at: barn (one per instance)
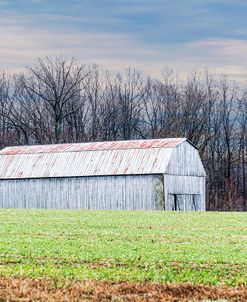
(157, 174)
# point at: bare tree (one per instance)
(131, 90)
(58, 84)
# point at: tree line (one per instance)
(60, 100)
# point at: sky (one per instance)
(183, 35)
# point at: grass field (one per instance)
(196, 248)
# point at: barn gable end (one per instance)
(184, 179)
(185, 160)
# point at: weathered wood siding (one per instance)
(185, 177)
(142, 192)
(186, 187)
(185, 160)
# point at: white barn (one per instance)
(158, 174)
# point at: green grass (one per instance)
(207, 248)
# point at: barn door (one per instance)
(192, 202)
(184, 202)
(177, 203)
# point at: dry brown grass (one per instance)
(42, 290)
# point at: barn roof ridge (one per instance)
(95, 146)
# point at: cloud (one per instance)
(22, 41)
(220, 55)
(21, 44)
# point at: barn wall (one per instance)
(187, 187)
(185, 178)
(185, 160)
(143, 192)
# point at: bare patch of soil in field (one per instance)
(43, 290)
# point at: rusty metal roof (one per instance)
(95, 146)
(87, 159)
